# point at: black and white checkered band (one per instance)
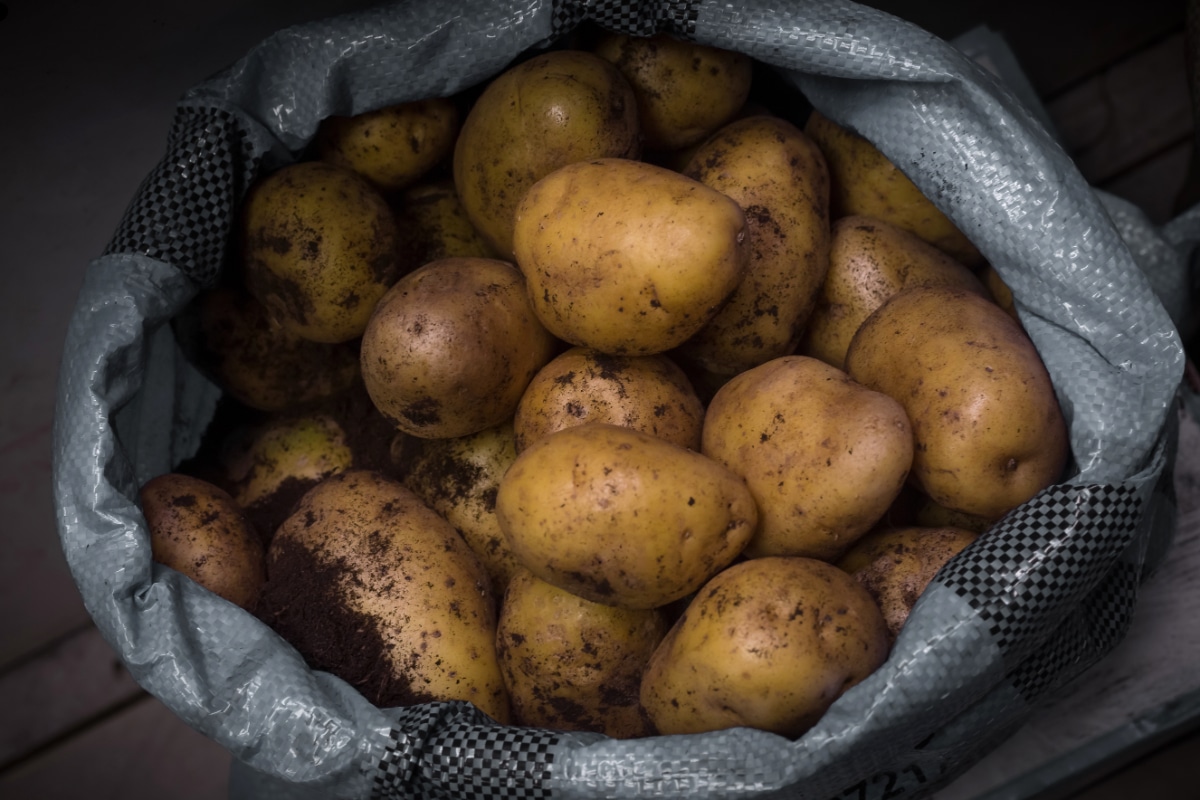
(635, 17)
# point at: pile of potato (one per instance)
(603, 398)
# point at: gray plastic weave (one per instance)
(1041, 596)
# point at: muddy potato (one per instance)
(769, 643)
(684, 90)
(571, 664)
(987, 427)
(452, 346)
(620, 517)
(320, 247)
(779, 178)
(459, 479)
(648, 393)
(392, 147)
(869, 261)
(370, 584)
(438, 224)
(628, 258)
(197, 529)
(554, 109)
(896, 565)
(824, 456)
(864, 182)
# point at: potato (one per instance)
(438, 224)
(896, 565)
(864, 182)
(779, 178)
(824, 456)
(368, 583)
(620, 517)
(999, 290)
(571, 664)
(628, 258)
(392, 147)
(554, 109)
(869, 261)
(452, 346)
(769, 643)
(685, 91)
(987, 427)
(648, 393)
(320, 247)
(197, 529)
(933, 515)
(228, 335)
(459, 479)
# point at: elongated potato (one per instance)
(625, 257)
(779, 178)
(987, 427)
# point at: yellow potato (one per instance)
(394, 146)
(628, 258)
(197, 529)
(320, 247)
(438, 224)
(864, 182)
(779, 178)
(987, 427)
(620, 517)
(452, 346)
(869, 261)
(552, 110)
(648, 393)
(1000, 291)
(769, 643)
(684, 90)
(824, 456)
(571, 664)
(368, 583)
(933, 515)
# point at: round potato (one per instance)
(824, 456)
(864, 182)
(197, 529)
(620, 517)
(896, 565)
(552, 110)
(769, 643)
(648, 393)
(684, 90)
(628, 258)
(392, 147)
(571, 664)
(452, 346)
(987, 427)
(869, 261)
(370, 584)
(320, 247)
(438, 224)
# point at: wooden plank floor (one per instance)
(88, 98)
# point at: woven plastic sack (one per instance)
(1038, 598)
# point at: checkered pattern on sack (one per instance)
(1045, 555)
(184, 209)
(452, 751)
(634, 17)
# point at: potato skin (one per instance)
(621, 517)
(571, 664)
(628, 258)
(197, 529)
(824, 456)
(552, 110)
(685, 91)
(647, 393)
(987, 427)
(451, 347)
(865, 182)
(320, 247)
(779, 178)
(768, 643)
(869, 261)
(407, 579)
